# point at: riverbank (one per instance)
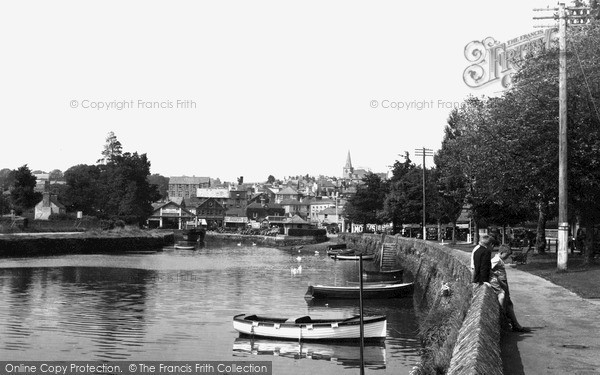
(274, 241)
(97, 241)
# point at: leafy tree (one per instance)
(162, 184)
(83, 190)
(403, 201)
(366, 205)
(270, 179)
(125, 189)
(22, 195)
(112, 149)
(5, 179)
(4, 204)
(56, 175)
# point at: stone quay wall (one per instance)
(81, 243)
(459, 325)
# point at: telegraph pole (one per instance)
(576, 15)
(424, 152)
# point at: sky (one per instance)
(239, 88)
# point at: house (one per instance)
(49, 205)
(332, 215)
(238, 197)
(221, 195)
(186, 187)
(260, 197)
(212, 211)
(317, 206)
(294, 222)
(295, 207)
(235, 218)
(170, 215)
(287, 193)
(258, 211)
(273, 222)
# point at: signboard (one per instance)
(236, 219)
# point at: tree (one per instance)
(5, 179)
(270, 179)
(161, 183)
(450, 179)
(22, 195)
(366, 205)
(125, 188)
(83, 190)
(403, 200)
(112, 149)
(56, 175)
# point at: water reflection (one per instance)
(374, 355)
(177, 305)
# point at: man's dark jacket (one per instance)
(482, 262)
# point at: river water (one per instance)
(179, 304)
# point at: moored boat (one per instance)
(186, 245)
(383, 274)
(306, 328)
(369, 290)
(368, 283)
(351, 255)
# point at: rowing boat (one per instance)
(369, 290)
(306, 328)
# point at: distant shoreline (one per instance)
(275, 241)
(57, 243)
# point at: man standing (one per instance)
(481, 260)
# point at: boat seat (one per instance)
(302, 319)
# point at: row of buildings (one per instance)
(205, 201)
(244, 206)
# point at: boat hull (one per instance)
(320, 330)
(383, 275)
(185, 245)
(370, 291)
(352, 257)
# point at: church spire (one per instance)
(348, 170)
(348, 161)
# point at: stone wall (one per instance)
(459, 329)
(80, 243)
(477, 350)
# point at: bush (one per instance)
(63, 216)
(307, 232)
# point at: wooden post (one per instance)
(360, 308)
(563, 224)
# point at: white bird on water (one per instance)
(299, 259)
(239, 244)
(296, 270)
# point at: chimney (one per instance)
(46, 199)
